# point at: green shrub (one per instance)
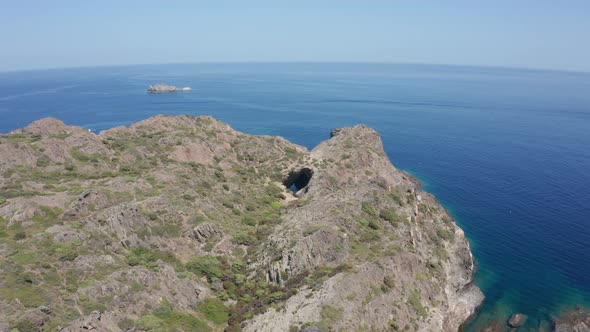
(245, 239)
(228, 204)
(396, 196)
(219, 175)
(276, 205)
(79, 155)
(188, 197)
(126, 324)
(278, 296)
(368, 209)
(46, 216)
(149, 323)
(446, 220)
(389, 215)
(249, 221)
(214, 310)
(238, 264)
(197, 219)
(26, 325)
(20, 235)
(388, 284)
(173, 320)
(209, 266)
(374, 224)
(89, 305)
(2, 200)
(330, 315)
(423, 208)
(370, 235)
(445, 234)
(167, 230)
(323, 273)
(66, 252)
(273, 190)
(149, 258)
(24, 291)
(302, 202)
(414, 301)
(43, 161)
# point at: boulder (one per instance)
(517, 320)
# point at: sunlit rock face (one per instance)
(183, 223)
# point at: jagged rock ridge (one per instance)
(180, 222)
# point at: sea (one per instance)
(506, 151)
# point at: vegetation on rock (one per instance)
(180, 223)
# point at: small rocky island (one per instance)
(183, 223)
(166, 88)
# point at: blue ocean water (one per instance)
(505, 150)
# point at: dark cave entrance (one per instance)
(298, 180)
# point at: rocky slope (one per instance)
(182, 223)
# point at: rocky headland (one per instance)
(182, 223)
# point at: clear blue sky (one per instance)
(515, 33)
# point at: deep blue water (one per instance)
(505, 150)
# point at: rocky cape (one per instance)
(182, 223)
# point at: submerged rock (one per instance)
(517, 320)
(494, 327)
(577, 320)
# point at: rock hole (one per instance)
(298, 180)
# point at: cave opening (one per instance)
(298, 180)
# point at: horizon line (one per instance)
(254, 62)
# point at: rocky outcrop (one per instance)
(182, 223)
(577, 320)
(87, 201)
(94, 321)
(204, 232)
(166, 88)
(349, 211)
(517, 320)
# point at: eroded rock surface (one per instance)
(577, 320)
(182, 223)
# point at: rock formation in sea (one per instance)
(575, 320)
(517, 320)
(166, 88)
(181, 222)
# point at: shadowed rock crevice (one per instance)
(298, 180)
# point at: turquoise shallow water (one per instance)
(505, 150)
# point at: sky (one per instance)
(543, 34)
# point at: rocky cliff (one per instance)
(182, 223)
